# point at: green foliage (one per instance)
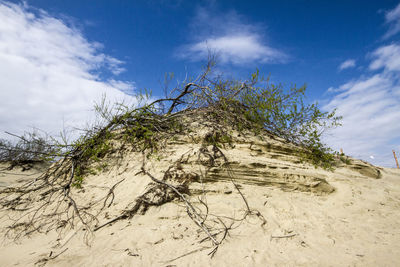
(89, 150)
(259, 105)
(218, 139)
(343, 158)
(255, 104)
(141, 128)
(319, 155)
(78, 177)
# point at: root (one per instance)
(57, 207)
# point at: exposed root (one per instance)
(57, 206)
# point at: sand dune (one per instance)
(301, 216)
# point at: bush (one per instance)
(256, 104)
(30, 148)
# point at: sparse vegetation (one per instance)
(28, 149)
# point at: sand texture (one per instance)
(300, 215)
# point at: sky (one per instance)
(58, 58)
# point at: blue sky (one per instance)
(57, 57)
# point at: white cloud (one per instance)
(238, 49)
(370, 107)
(350, 63)
(387, 57)
(392, 18)
(233, 40)
(50, 72)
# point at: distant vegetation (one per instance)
(27, 149)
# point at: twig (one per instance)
(111, 193)
(177, 99)
(282, 236)
(187, 254)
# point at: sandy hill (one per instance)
(202, 199)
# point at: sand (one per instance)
(349, 217)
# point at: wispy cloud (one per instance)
(392, 18)
(386, 57)
(231, 38)
(370, 106)
(350, 63)
(49, 71)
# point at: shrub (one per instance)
(31, 147)
(256, 104)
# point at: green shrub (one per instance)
(257, 105)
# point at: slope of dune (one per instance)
(297, 215)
